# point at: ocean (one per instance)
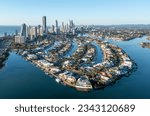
(9, 29)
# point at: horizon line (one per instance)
(83, 24)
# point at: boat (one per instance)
(46, 73)
(58, 80)
(85, 89)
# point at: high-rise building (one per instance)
(5, 34)
(71, 26)
(71, 23)
(23, 35)
(53, 29)
(39, 30)
(63, 28)
(29, 29)
(67, 28)
(16, 32)
(24, 31)
(44, 25)
(57, 28)
(33, 33)
(20, 39)
(56, 24)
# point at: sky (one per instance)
(82, 12)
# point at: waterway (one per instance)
(21, 79)
(50, 47)
(99, 56)
(72, 50)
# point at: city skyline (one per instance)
(86, 12)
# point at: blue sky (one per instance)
(105, 12)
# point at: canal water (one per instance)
(72, 50)
(99, 53)
(21, 79)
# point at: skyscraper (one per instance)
(57, 28)
(16, 32)
(71, 26)
(39, 30)
(44, 24)
(71, 23)
(63, 27)
(53, 29)
(28, 30)
(56, 24)
(23, 35)
(33, 33)
(24, 31)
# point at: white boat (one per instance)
(46, 73)
(84, 88)
(57, 80)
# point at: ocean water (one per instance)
(20, 79)
(9, 29)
